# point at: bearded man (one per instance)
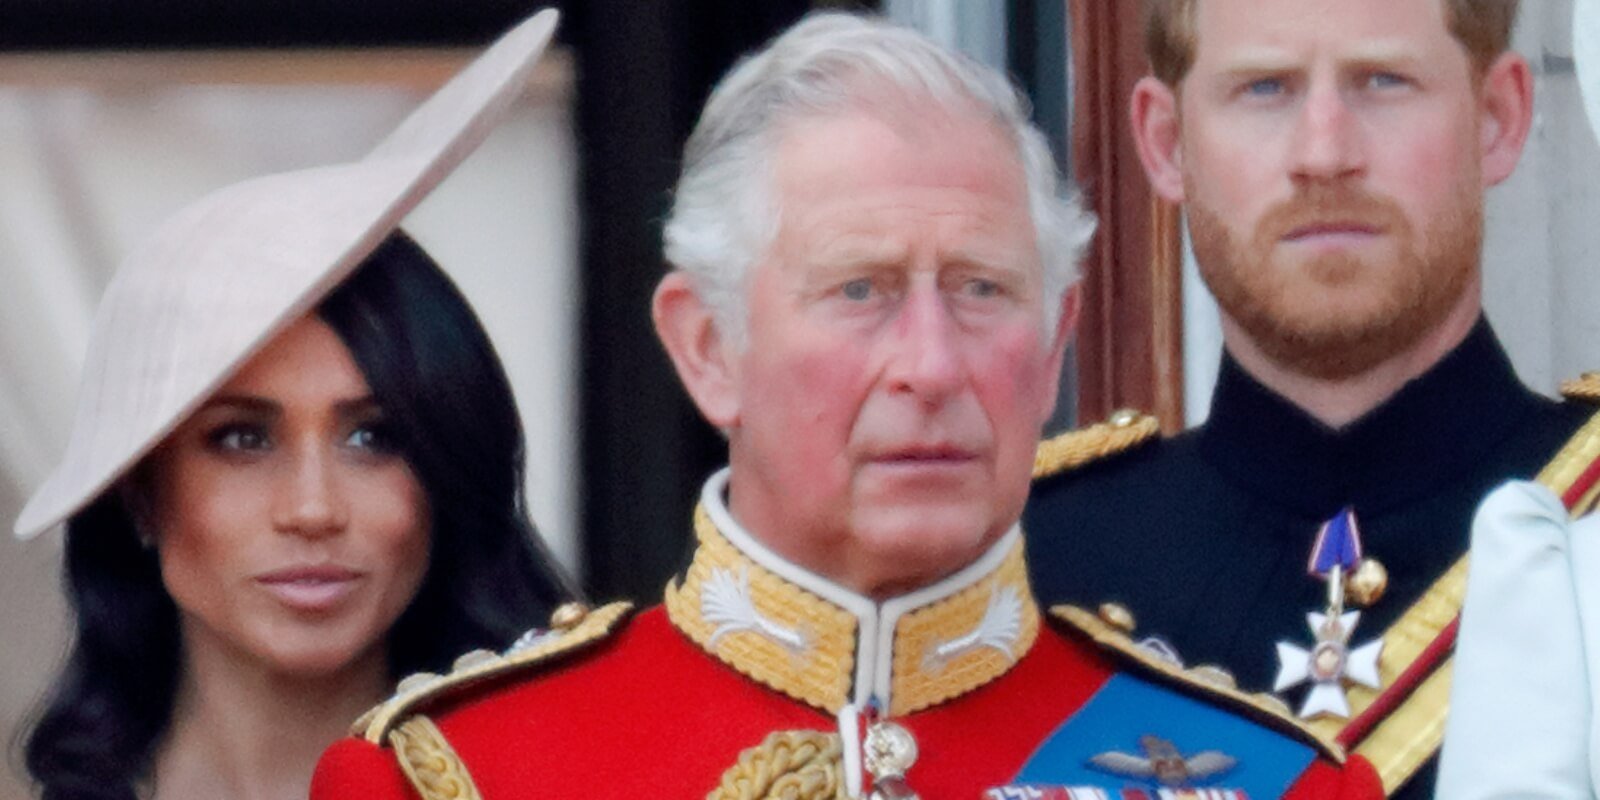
(1332, 158)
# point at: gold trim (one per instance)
(376, 724)
(430, 763)
(1585, 387)
(1068, 451)
(793, 765)
(1574, 457)
(1412, 733)
(820, 670)
(921, 681)
(1262, 708)
(818, 674)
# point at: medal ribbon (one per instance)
(1338, 545)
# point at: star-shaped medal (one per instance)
(1329, 665)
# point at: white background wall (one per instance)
(85, 172)
(1542, 235)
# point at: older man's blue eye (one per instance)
(983, 288)
(1385, 80)
(1264, 87)
(857, 289)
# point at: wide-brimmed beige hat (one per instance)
(220, 278)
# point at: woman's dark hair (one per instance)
(448, 405)
(446, 397)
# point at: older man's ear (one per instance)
(705, 363)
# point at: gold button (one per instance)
(1274, 702)
(1366, 583)
(568, 615)
(472, 659)
(415, 681)
(1215, 675)
(1117, 616)
(1123, 418)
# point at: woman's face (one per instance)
(290, 530)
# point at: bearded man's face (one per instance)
(1334, 281)
(1332, 164)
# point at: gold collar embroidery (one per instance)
(827, 646)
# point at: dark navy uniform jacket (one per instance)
(1205, 536)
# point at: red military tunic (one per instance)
(684, 700)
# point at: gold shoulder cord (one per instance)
(1569, 465)
(793, 765)
(1581, 451)
(1124, 430)
(430, 763)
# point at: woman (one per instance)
(273, 514)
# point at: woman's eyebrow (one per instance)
(355, 406)
(244, 402)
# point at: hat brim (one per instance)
(222, 277)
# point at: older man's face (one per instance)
(897, 369)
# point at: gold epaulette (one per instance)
(571, 627)
(1585, 388)
(1123, 430)
(1111, 628)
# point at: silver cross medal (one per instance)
(1330, 663)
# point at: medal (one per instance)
(889, 752)
(1331, 662)
(886, 753)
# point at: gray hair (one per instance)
(724, 217)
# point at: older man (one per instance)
(872, 262)
(1332, 159)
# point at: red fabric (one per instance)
(1325, 781)
(648, 714)
(354, 768)
(1582, 485)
